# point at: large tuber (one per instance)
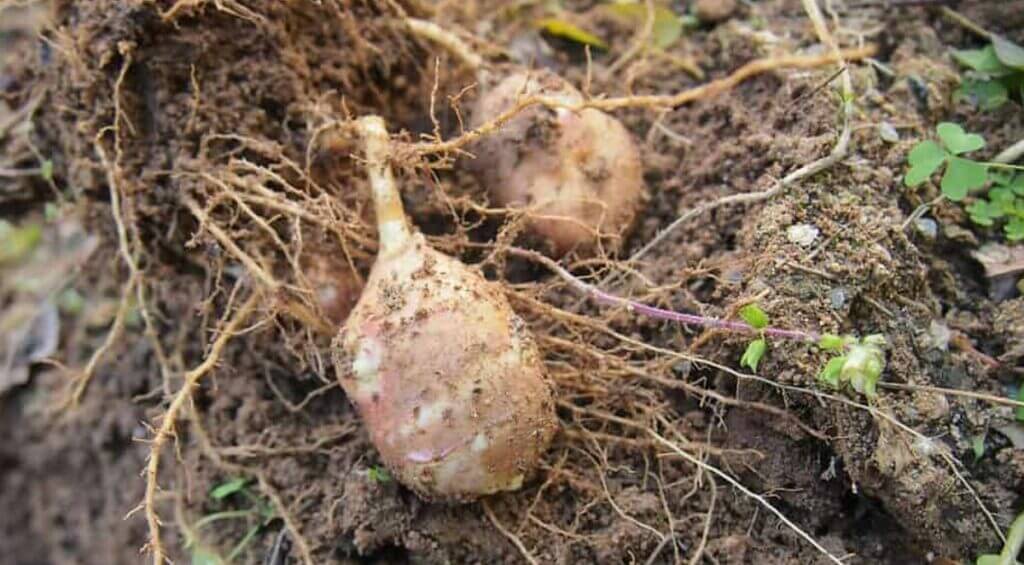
(446, 377)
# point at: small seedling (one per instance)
(378, 474)
(961, 175)
(226, 489)
(753, 315)
(978, 446)
(257, 508)
(1004, 201)
(857, 362)
(1012, 547)
(995, 73)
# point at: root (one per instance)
(134, 281)
(166, 430)
(639, 42)
(508, 534)
(749, 493)
(254, 268)
(709, 90)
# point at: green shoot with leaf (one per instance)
(995, 73)
(856, 362)
(1004, 201)
(257, 508)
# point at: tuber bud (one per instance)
(577, 173)
(446, 377)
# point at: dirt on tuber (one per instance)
(447, 378)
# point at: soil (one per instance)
(164, 103)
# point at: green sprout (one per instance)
(858, 363)
(378, 474)
(1004, 200)
(1012, 547)
(994, 73)
(961, 175)
(257, 508)
(753, 315)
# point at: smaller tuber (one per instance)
(576, 172)
(446, 377)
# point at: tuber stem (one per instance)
(391, 222)
(655, 312)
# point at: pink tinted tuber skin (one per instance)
(446, 377)
(577, 173)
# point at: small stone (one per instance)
(927, 227)
(802, 234)
(837, 297)
(939, 334)
(714, 11)
(888, 132)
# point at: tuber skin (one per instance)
(447, 378)
(334, 285)
(576, 173)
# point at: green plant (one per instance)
(258, 511)
(1020, 397)
(378, 474)
(757, 319)
(1012, 547)
(857, 362)
(1004, 201)
(995, 73)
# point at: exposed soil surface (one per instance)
(237, 108)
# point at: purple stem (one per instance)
(659, 313)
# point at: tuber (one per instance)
(577, 173)
(447, 378)
(574, 171)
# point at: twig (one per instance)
(166, 429)
(955, 392)
(1010, 154)
(446, 39)
(958, 18)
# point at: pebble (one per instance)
(714, 11)
(802, 234)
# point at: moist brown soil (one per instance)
(199, 90)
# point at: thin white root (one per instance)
(760, 499)
(509, 535)
(166, 430)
